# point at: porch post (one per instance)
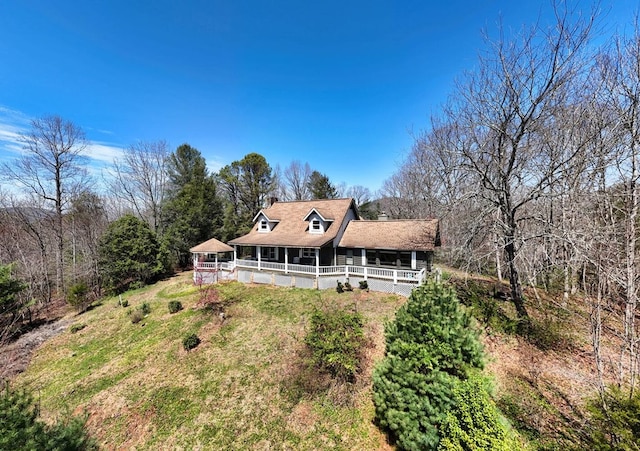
(286, 260)
(364, 257)
(413, 260)
(216, 269)
(235, 255)
(317, 252)
(259, 252)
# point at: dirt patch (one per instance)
(15, 356)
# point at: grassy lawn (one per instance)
(241, 388)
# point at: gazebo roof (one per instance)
(211, 246)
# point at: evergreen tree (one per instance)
(193, 211)
(22, 429)
(320, 187)
(430, 345)
(129, 252)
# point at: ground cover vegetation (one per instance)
(532, 168)
(251, 382)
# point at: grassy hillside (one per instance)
(244, 387)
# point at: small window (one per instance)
(371, 258)
(349, 256)
(405, 259)
(264, 225)
(268, 253)
(308, 252)
(315, 225)
(388, 258)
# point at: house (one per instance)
(316, 243)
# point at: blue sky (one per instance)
(339, 85)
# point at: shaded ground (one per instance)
(15, 357)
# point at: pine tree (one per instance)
(430, 346)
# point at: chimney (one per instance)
(382, 216)
(272, 200)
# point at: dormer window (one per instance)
(264, 226)
(315, 226)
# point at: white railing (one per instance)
(212, 265)
(403, 275)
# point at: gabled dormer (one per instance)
(318, 224)
(264, 224)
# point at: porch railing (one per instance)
(397, 275)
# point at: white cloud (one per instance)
(103, 152)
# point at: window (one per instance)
(349, 256)
(388, 258)
(371, 258)
(405, 259)
(264, 225)
(308, 252)
(269, 253)
(315, 226)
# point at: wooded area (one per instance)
(532, 168)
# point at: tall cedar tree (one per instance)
(321, 187)
(193, 211)
(430, 347)
(130, 252)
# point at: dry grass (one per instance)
(142, 390)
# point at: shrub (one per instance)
(347, 286)
(474, 422)
(363, 285)
(335, 339)
(340, 287)
(125, 303)
(175, 306)
(136, 316)
(615, 420)
(145, 308)
(430, 346)
(78, 296)
(21, 428)
(190, 341)
(77, 327)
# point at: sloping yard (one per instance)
(243, 387)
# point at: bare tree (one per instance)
(296, 180)
(51, 168)
(502, 110)
(139, 180)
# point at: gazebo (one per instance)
(205, 256)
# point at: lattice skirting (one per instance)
(323, 283)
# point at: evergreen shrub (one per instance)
(190, 341)
(175, 306)
(22, 429)
(336, 339)
(615, 420)
(431, 344)
(473, 423)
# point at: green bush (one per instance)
(431, 344)
(336, 339)
(77, 327)
(615, 420)
(175, 306)
(363, 285)
(473, 422)
(125, 303)
(190, 341)
(340, 287)
(145, 308)
(347, 286)
(21, 428)
(78, 296)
